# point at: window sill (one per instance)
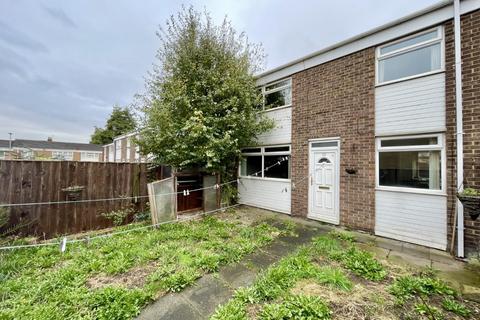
(412, 190)
(422, 75)
(265, 179)
(275, 109)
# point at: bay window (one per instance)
(411, 162)
(266, 162)
(412, 56)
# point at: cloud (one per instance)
(94, 54)
(17, 38)
(60, 16)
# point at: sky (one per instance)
(65, 64)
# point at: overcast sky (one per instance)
(64, 64)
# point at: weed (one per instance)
(116, 303)
(363, 264)
(233, 310)
(42, 283)
(407, 287)
(297, 307)
(429, 311)
(117, 216)
(342, 235)
(333, 277)
(451, 305)
(180, 279)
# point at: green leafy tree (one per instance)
(121, 121)
(200, 105)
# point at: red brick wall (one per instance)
(336, 99)
(471, 118)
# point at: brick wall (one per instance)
(471, 118)
(336, 99)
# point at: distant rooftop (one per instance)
(50, 145)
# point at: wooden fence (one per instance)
(43, 181)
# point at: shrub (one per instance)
(297, 307)
(117, 216)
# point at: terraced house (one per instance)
(378, 132)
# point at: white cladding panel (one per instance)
(282, 133)
(411, 217)
(411, 106)
(266, 194)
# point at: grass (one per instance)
(113, 278)
(332, 278)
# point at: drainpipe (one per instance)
(459, 124)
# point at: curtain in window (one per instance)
(434, 171)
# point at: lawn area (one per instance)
(333, 278)
(114, 277)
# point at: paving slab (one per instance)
(207, 294)
(172, 307)
(238, 275)
(260, 260)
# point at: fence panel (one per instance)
(44, 181)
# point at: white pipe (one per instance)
(459, 124)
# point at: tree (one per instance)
(121, 121)
(200, 105)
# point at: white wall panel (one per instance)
(413, 106)
(411, 217)
(282, 133)
(266, 194)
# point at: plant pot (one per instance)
(471, 205)
(73, 193)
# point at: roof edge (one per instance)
(469, 5)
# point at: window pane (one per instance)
(406, 43)
(281, 171)
(251, 165)
(278, 85)
(277, 149)
(278, 98)
(412, 169)
(324, 144)
(410, 142)
(410, 63)
(251, 150)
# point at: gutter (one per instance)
(394, 23)
(459, 126)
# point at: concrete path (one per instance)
(201, 300)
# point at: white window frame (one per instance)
(265, 92)
(118, 150)
(62, 155)
(129, 145)
(262, 153)
(440, 146)
(439, 39)
(89, 156)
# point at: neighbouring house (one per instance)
(367, 134)
(123, 149)
(21, 149)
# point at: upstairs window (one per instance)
(277, 94)
(409, 57)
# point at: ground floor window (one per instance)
(266, 162)
(410, 162)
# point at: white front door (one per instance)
(324, 181)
